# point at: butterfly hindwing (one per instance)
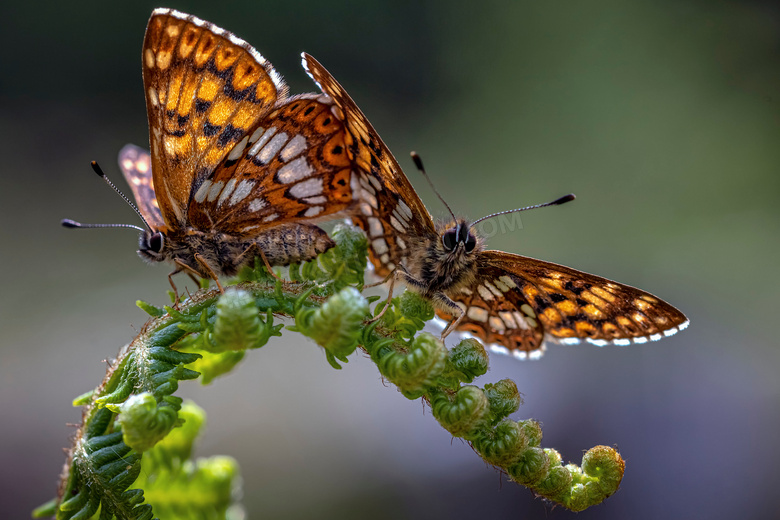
(573, 306)
(205, 90)
(136, 165)
(292, 167)
(390, 211)
(498, 315)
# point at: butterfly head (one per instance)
(151, 246)
(449, 258)
(458, 238)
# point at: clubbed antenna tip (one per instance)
(97, 169)
(566, 198)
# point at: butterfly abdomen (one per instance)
(294, 243)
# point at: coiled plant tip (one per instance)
(131, 457)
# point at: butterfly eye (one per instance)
(156, 242)
(471, 243)
(450, 239)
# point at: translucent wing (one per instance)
(389, 211)
(568, 305)
(205, 90)
(136, 165)
(293, 167)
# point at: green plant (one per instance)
(131, 456)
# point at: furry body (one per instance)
(438, 273)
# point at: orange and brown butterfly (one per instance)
(510, 301)
(237, 168)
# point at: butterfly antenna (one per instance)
(566, 198)
(68, 223)
(419, 164)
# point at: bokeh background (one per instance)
(662, 116)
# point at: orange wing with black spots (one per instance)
(498, 315)
(390, 211)
(206, 90)
(568, 305)
(292, 167)
(136, 165)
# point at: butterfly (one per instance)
(512, 302)
(237, 168)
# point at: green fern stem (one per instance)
(134, 420)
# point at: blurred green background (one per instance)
(663, 118)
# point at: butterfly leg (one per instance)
(411, 281)
(194, 278)
(390, 277)
(400, 272)
(182, 267)
(441, 301)
(267, 264)
(208, 269)
(178, 269)
(251, 249)
(382, 282)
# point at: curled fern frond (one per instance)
(407, 315)
(532, 466)
(502, 445)
(341, 266)
(504, 398)
(461, 413)
(132, 455)
(417, 367)
(144, 423)
(336, 325)
(177, 446)
(557, 481)
(178, 487)
(238, 325)
(466, 361)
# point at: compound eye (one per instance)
(156, 242)
(471, 243)
(450, 239)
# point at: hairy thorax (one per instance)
(439, 270)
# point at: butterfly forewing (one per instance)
(136, 165)
(390, 211)
(573, 306)
(205, 90)
(292, 166)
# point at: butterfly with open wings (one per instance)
(510, 301)
(237, 168)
